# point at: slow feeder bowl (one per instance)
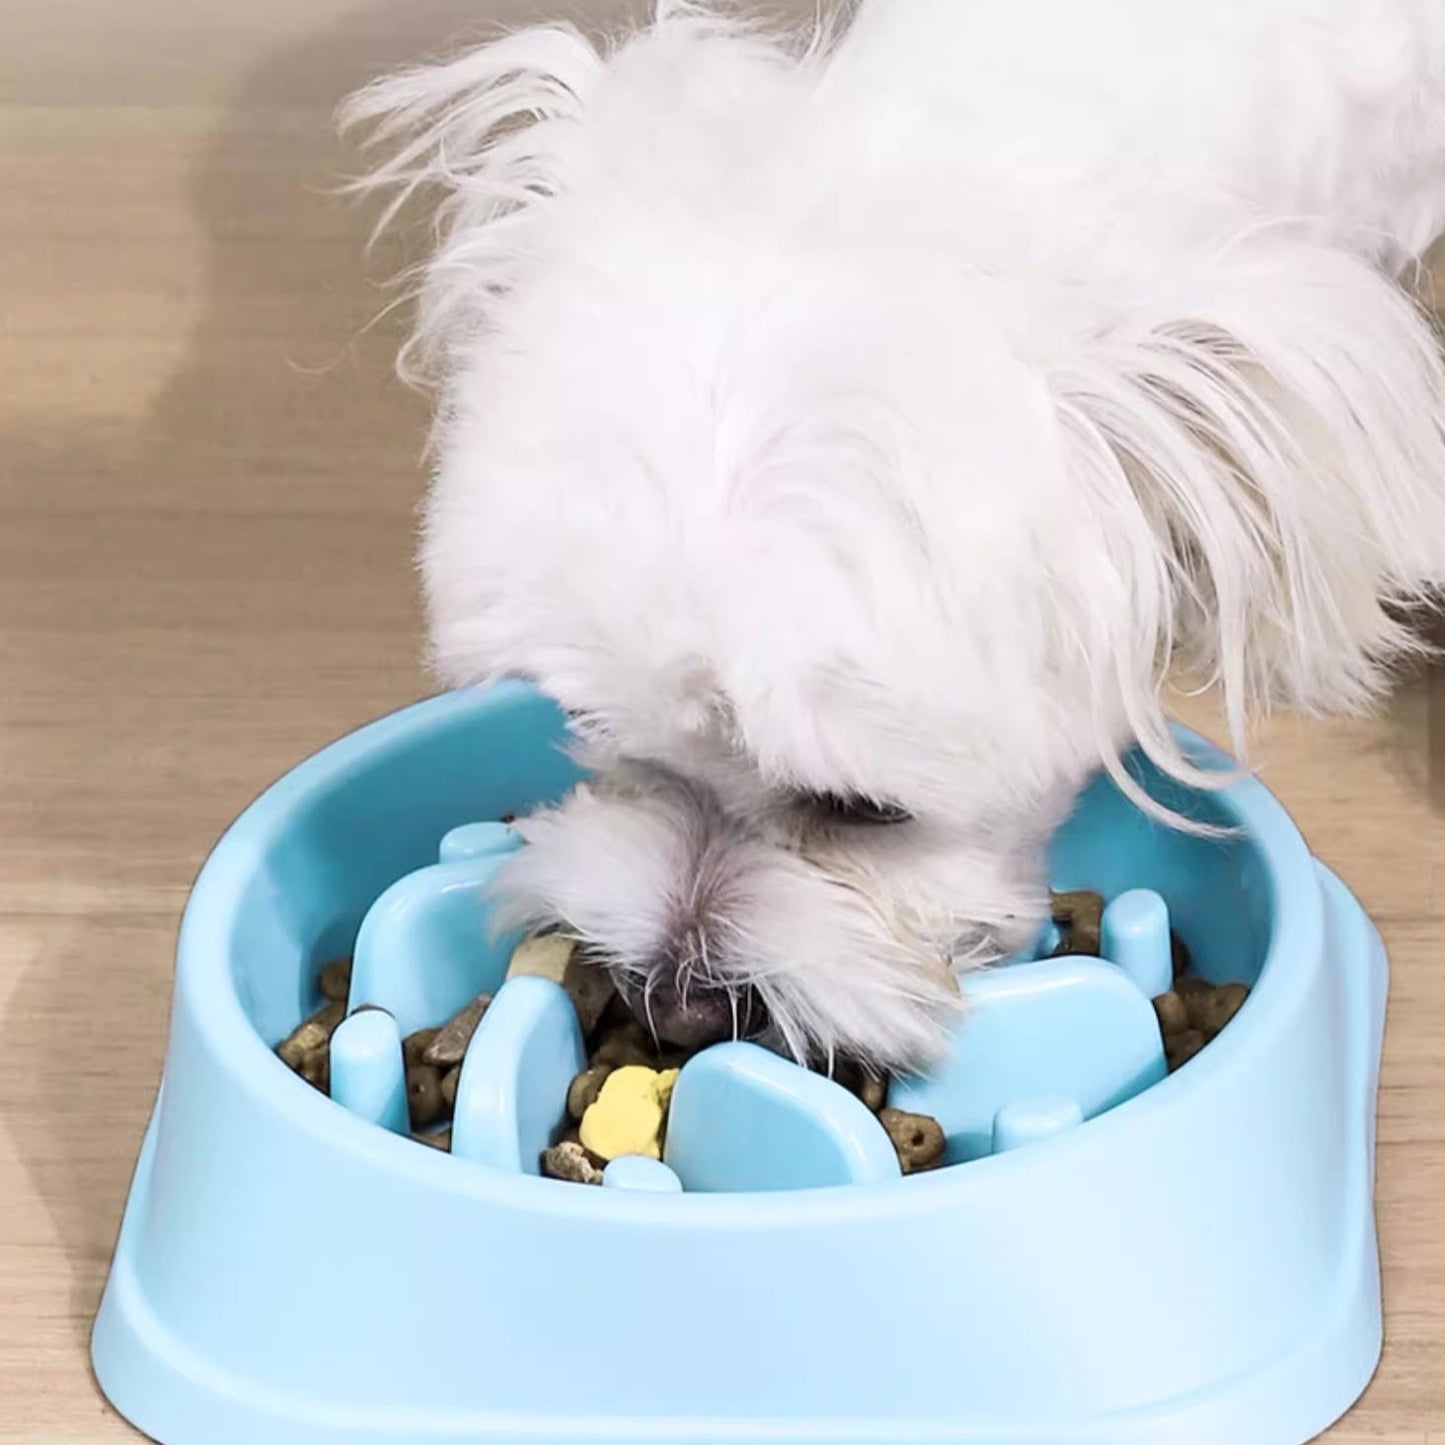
(1188, 1259)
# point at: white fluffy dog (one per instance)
(851, 430)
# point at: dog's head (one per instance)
(850, 557)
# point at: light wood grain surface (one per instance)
(207, 484)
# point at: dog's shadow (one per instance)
(1417, 712)
(1416, 724)
(282, 366)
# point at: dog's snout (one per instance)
(689, 1012)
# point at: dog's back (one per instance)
(1197, 120)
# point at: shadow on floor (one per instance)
(283, 380)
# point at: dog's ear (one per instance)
(1265, 451)
(494, 134)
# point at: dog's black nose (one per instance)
(687, 1012)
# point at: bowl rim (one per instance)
(206, 987)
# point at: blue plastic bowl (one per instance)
(1197, 1264)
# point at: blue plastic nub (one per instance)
(1029, 1121)
(478, 840)
(636, 1171)
(1135, 935)
(368, 1075)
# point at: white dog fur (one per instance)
(880, 413)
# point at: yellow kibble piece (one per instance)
(665, 1080)
(627, 1115)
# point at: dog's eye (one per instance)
(854, 808)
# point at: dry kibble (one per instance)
(1235, 994)
(1179, 1049)
(311, 1034)
(335, 980)
(627, 1044)
(545, 956)
(589, 986)
(424, 1095)
(568, 1160)
(414, 1046)
(1079, 915)
(1173, 1014)
(584, 1089)
(918, 1140)
(1218, 1008)
(1198, 996)
(573, 1135)
(871, 1088)
(619, 1103)
(1193, 991)
(450, 1045)
(315, 1068)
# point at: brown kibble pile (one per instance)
(589, 986)
(315, 1068)
(424, 1096)
(1194, 1013)
(871, 1088)
(614, 1040)
(584, 1090)
(310, 1037)
(335, 980)
(618, 1041)
(1079, 917)
(433, 1060)
(569, 1161)
(1173, 1016)
(447, 1046)
(1191, 1015)
(432, 1056)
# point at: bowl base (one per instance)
(162, 1386)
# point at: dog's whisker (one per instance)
(647, 1007)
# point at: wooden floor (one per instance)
(207, 479)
